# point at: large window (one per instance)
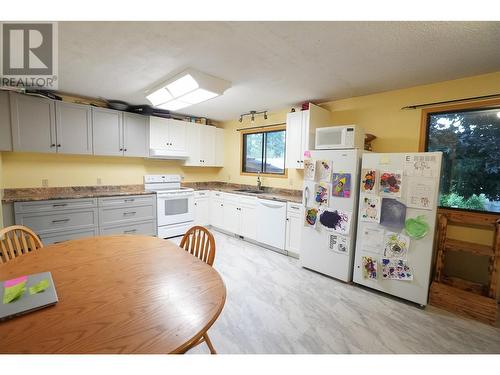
(470, 142)
(264, 152)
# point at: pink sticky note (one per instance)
(307, 154)
(16, 281)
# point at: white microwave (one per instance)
(342, 136)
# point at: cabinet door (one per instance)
(33, 123)
(135, 135)
(158, 133)
(231, 217)
(74, 128)
(293, 140)
(107, 132)
(207, 145)
(201, 211)
(248, 222)
(304, 139)
(293, 232)
(177, 135)
(219, 147)
(217, 213)
(193, 145)
(5, 131)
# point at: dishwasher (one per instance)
(271, 225)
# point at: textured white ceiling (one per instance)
(271, 65)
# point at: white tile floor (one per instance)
(275, 306)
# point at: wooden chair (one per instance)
(17, 240)
(199, 242)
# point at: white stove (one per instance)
(175, 204)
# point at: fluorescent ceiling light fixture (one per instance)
(174, 105)
(186, 88)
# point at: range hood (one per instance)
(167, 154)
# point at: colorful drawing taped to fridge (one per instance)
(311, 217)
(396, 245)
(369, 181)
(420, 192)
(309, 170)
(324, 170)
(390, 183)
(341, 185)
(370, 208)
(338, 221)
(393, 214)
(416, 227)
(321, 194)
(338, 243)
(369, 268)
(396, 269)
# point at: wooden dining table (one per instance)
(117, 294)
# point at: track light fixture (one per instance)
(252, 115)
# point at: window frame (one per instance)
(461, 107)
(268, 129)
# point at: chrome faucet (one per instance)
(259, 183)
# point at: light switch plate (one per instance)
(45, 182)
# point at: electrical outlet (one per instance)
(99, 181)
(45, 182)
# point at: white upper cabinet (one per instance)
(33, 123)
(107, 131)
(300, 129)
(73, 128)
(205, 146)
(5, 129)
(177, 134)
(219, 147)
(168, 137)
(135, 135)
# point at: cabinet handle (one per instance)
(196, 204)
(121, 149)
(129, 200)
(60, 221)
(53, 145)
(298, 161)
(221, 205)
(59, 145)
(129, 213)
(125, 149)
(287, 219)
(130, 231)
(59, 204)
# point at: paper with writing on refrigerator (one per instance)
(336, 220)
(321, 194)
(370, 208)
(420, 192)
(392, 214)
(390, 183)
(396, 245)
(421, 165)
(341, 185)
(324, 170)
(369, 267)
(372, 239)
(396, 269)
(311, 216)
(309, 170)
(338, 243)
(369, 181)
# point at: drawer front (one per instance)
(58, 221)
(232, 198)
(147, 228)
(248, 201)
(50, 238)
(122, 215)
(201, 193)
(217, 194)
(129, 200)
(294, 207)
(54, 205)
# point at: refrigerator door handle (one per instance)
(306, 195)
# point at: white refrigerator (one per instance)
(330, 199)
(396, 223)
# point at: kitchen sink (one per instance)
(249, 191)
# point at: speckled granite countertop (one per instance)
(284, 195)
(71, 192)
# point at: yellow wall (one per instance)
(1, 192)
(379, 114)
(21, 170)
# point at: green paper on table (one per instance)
(14, 292)
(39, 287)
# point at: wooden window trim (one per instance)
(424, 125)
(260, 130)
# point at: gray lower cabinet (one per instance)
(33, 123)
(73, 128)
(5, 132)
(66, 219)
(107, 132)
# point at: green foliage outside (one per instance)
(474, 202)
